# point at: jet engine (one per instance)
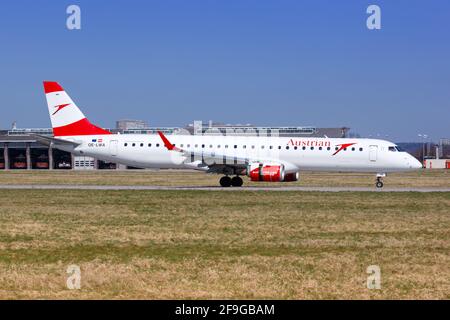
(269, 172)
(289, 177)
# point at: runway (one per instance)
(217, 188)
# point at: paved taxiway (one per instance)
(217, 188)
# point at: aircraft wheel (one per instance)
(379, 184)
(225, 181)
(237, 181)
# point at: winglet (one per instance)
(167, 143)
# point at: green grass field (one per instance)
(209, 244)
(421, 178)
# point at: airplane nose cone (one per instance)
(417, 164)
(414, 163)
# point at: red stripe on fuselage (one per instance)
(80, 128)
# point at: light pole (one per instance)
(424, 137)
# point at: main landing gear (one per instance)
(226, 181)
(379, 182)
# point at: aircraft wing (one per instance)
(220, 163)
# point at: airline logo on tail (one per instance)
(60, 107)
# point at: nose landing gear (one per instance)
(226, 181)
(379, 182)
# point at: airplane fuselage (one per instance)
(317, 154)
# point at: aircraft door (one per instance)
(113, 145)
(373, 153)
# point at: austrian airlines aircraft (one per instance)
(273, 159)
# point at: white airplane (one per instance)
(272, 159)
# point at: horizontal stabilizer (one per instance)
(46, 140)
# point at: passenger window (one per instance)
(235, 146)
(149, 144)
(126, 144)
(320, 148)
(328, 148)
(279, 147)
(142, 144)
(157, 145)
(271, 147)
(262, 147)
(181, 145)
(287, 147)
(353, 149)
(203, 145)
(244, 146)
(295, 148)
(312, 148)
(360, 149)
(304, 148)
(134, 144)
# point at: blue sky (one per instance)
(236, 61)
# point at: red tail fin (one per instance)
(67, 119)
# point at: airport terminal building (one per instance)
(19, 149)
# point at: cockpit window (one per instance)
(395, 149)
